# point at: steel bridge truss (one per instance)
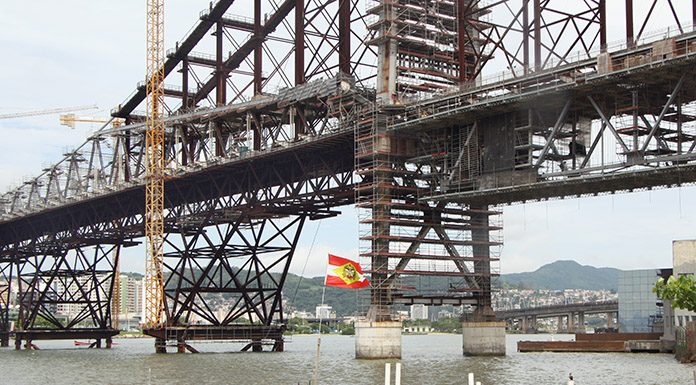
(398, 106)
(225, 281)
(7, 274)
(409, 245)
(638, 133)
(65, 293)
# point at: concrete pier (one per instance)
(483, 338)
(377, 340)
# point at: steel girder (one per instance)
(638, 133)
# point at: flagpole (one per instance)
(315, 376)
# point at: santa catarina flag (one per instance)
(345, 273)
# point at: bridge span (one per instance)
(570, 317)
(397, 107)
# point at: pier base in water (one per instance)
(483, 338)
(4, 339)
(377, 340)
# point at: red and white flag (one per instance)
(342, 272)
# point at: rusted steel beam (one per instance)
(183, 49)
(248, 47)
(258, 51)
(344, 32)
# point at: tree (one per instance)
(681, 291)
(448, 325)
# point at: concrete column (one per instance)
(559, 327)
(533, 325)
(483, 338)
(378, 339)
(610, 320)
(571, 323)
(525, 324)
(581, 323)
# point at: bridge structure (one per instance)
(570, 317)
(424, 114)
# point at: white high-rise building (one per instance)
(419, 311)
(323, 311)
(131, 291)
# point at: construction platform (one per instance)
(255, 336)
(28, 336)
(598, 343)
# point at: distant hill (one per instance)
(562, 275)
(305, 293)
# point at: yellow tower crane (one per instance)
(69, 120)
(154, 151)
(50, 111)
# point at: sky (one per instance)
(80, 52)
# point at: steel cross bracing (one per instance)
(7, 273)
(268, 118)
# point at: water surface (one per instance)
(427, 359)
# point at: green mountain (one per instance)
(562, 275)
(304, 294)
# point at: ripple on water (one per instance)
(430, 359)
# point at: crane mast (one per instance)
(154, 186)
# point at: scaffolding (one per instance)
(430, 45)
(418, 251)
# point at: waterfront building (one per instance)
(323, 311)
(684, 262)
(639, 308)
(418, 312)
(131, 290)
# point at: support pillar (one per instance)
(559, 326)
(379, 339)
(483, 338)
(160, 345)
(571, 323)
(610, 320)
(581, 323)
